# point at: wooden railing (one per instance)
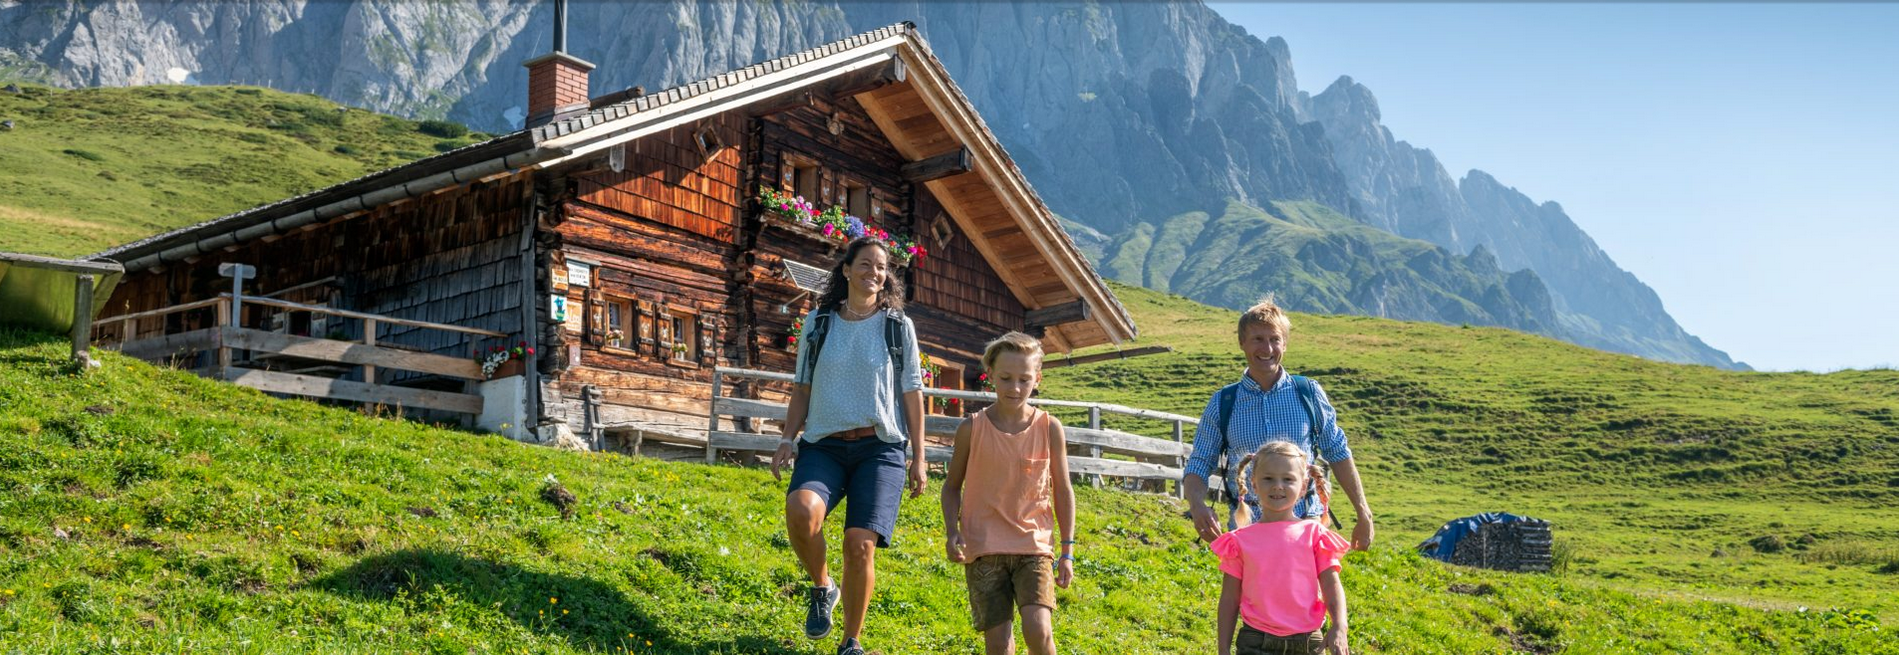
(227, 335)
(1095, 451)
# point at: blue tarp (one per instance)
(1441, 545)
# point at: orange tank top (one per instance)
(1008, 498)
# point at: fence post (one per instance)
(712, 416)
(82, 322)
(1094, 423)
(369, 339)
(226, 320)
(1179, 461)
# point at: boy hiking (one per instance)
(1269, 404)
(1007, 488)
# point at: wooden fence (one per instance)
(1135, 458)
(262, 351)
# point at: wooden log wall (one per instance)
(659, 236)
(451, 257)
(668, 224)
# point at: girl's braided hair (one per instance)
(1243, 470)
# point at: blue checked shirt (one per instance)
(1263, 415)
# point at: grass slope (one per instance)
(1658, 476)
(146, 510)
(87, 169)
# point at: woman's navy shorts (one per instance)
(870, 471)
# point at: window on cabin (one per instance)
(620, 319)
(856, 199)
(804, 179)
(677, 328)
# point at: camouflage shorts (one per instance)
(998, 584)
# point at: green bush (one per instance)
(444, 129)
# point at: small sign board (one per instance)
(557, 308)
(239, 271)
(579, 274)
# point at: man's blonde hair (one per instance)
(1266, 312)
(1013, 342)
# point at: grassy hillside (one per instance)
(86, 169)
(147, 510)
(1658, 476)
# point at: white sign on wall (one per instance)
(579, 274)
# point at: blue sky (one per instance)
(1742, 159)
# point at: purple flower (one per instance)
(853, 226)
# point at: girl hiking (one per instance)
(1282, 573)
(857, 399)
(1006, 492)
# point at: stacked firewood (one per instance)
(1513, 546)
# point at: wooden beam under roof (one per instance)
(954, 162)
(1069, 312)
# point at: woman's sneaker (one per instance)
(819, 603)
(850, 647)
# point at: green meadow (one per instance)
(86, 169)
(146, 510)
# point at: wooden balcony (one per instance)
(351, 370)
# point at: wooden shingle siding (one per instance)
(668, 181)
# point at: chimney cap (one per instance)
(582, 64)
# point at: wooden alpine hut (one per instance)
(633, 241)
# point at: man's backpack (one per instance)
(896, 336)
(1308, 396)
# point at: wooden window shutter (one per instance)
(708, 341)
(665, 334)
(596, 326)
(787, 174)
(647, 319)
(826, 180)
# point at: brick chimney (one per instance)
(557, 81)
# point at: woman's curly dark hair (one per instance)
(839, 288)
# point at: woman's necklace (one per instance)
(853, 315)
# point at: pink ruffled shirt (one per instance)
(1278, 565)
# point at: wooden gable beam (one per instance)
(954, 162)
(1068, 312)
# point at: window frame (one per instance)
(674, 320)
(627, 324)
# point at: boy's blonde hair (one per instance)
(1268, 312)
(1013, 342)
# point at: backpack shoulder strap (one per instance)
(1229, 396)
(896, 336)
(814, 338)
(1309, 397)
(894, 341)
